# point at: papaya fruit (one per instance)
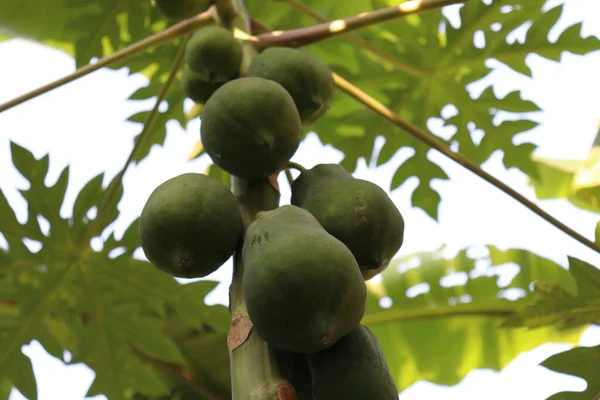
(303, 288)
(354, 368)
(214, 54)
(306, 77)
(190, 225)
(355, 211)
(196, 88)
(182, 9)
(250, 127)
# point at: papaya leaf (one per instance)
(104, 27)
(42, 22)
(215, 172)
(553, 304)
(5, 389)
(429, 63)
(103, 306)
(196, 151)
(582, 362)
(451, 309)
(207, 354)
(577, 181)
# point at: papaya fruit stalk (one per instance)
(256, 367)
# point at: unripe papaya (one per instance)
(214, 54)
(190, 225)
(353, 369)
(196, 88)
(250, 127)
(181, 9)
(355, 211)
(303, 288)
(306, 77)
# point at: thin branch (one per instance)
(182, 28)
(359, 41)
(116, 182)
(312, 34)
(440, 146)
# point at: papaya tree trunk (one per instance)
(257, 369)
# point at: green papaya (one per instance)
(190, 225)
(196, 88)
(354, 368)
(355, 211)
(303, 288)
(306, 77)
(250, 127)
(214, 54)
(181, 9)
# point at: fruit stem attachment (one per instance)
(429, 139)
(295, 166)
(180, 29)
(312, 34)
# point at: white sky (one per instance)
(83, 124)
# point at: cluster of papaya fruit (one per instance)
(305, 264)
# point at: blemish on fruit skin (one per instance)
(325, 339)
(182, 262)
(360, 214)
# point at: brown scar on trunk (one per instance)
(285, 391)
(240, 329)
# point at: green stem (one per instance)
(289, 177)
(432, 141)
(180, 29)
(295, 166)
(357, 40)
(255, 369)
(305, 36)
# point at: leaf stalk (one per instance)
(312, 34)
(430, 140)
(117, 181)
(359, 41)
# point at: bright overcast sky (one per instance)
(83, 124)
